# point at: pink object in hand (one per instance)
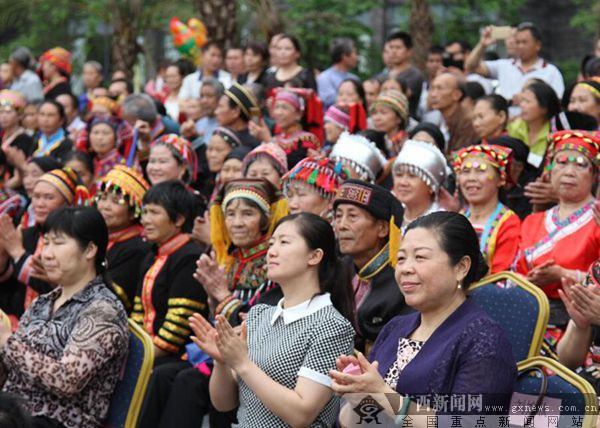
(353, 369)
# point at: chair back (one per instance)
(129, 393)
(571, 400)
(518, 306)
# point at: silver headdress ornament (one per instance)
(359, 154)
(425, 161)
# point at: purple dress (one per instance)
(468, 354)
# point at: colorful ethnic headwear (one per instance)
(12, 99)
(244, 99)
(360, 155)
(352, 118)
(380, 203)
(308, 102)
(127, 182)
(325, 175)
(182, 150)
(112, 105)
(273, 152)
(59, 57)
(107, 120)
(592, 85)
(394, 100)
(425, 161)
(499, 157)
(584, 142)
(228, 136)
(257, 190)
(68, 184)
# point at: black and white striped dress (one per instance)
(302, 341)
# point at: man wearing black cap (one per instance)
(367, 225)
(235, 109)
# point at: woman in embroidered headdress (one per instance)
(167, 293)
(171, 158)
(564, 240)
(20, 249)
(242, 218)
(55, 68)
(389, 113)
(103, 140)
(298, 116)
(34, 169)
(312, 184)
(267, 161)
(119, 200)
(108, 109)
(343, 118)
(420, 171)
(52, 139)
(482, 171)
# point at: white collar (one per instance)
(301, 310)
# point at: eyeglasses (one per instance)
(580, 162)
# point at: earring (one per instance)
(458, 285)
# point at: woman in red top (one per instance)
(564, 240)
(481, 172)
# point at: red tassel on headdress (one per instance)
(358, 118)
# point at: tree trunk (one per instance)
(125, 22)
(421, 29)
(218, 17)
(268, 19)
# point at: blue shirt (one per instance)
(205, 128)
(328, 82)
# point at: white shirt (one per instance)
(511, 77)
(190, 88)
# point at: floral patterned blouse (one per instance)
(65, 365)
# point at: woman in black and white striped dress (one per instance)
(277, 368)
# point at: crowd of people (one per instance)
(286, 236)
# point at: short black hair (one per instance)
(532, 28)
(128, 84)
(184, 67)
(73, 99)
(259, 48)
(592, 68)
(212, 44)
(401, 35)
(474, 90)
(82, 157)
(436, 50)
(176, 199)
(85, 225)
(340, 48)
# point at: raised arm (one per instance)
(474, 62)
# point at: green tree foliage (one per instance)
(318, 22)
